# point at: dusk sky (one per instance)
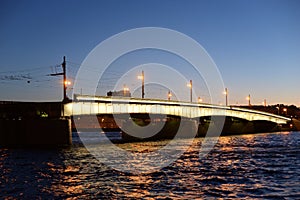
(255, 44)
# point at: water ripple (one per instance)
(261, 166)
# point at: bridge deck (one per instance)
(86, 105)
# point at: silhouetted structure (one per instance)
(29, 110)
(121, 93)
(33, 124)
(279, 109)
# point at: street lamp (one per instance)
(249, 100)
(67, 83)
(142, 77)
(285, 110)
(190, 85)
(169, 95)
(226, 96)
(200, 100)
(125, 89)
(278, 108)
(265, 103)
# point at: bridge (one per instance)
(92, 105)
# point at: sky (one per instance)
(255, 44)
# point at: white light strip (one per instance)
(156, 101)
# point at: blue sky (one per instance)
(255, 44)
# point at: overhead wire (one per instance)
(39, 77)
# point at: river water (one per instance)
(256, 166)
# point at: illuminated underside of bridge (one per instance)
(88, 105)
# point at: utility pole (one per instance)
(65, 98)
(65, 83)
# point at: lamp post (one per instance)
(200, 100)
(226, 96)
(285, 110)
(125, 89)
(142, 77)
(278, 108)
(169, 95)
(190, 85)
(249, 100)
(65, 79)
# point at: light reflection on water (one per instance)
(248, 166)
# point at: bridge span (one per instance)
(89, 105)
